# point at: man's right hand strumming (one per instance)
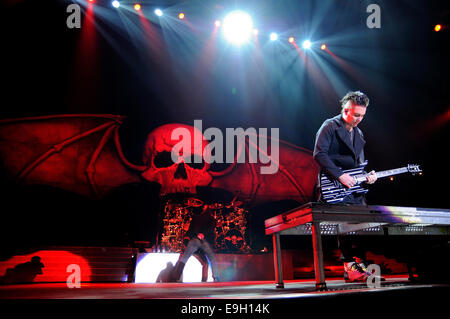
(347, 180)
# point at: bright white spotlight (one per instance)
(150, 266)
(273, 36)
(238, 27)
(115, 4)
(158, 12)
(306, 44)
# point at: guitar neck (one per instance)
(391, 172)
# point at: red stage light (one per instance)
(291, 39)
(137, 7)
(323, 47)
(437, 27)
(217, 23)
(181, 16)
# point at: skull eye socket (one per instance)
(163, 159)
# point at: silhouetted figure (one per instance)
(23, 273)
(164, 275)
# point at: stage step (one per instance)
(388, 265)
(304, 268)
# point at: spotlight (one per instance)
(217, 23)
(181, 16)
(306, 44)
(137, 7)
(115, 4)
(323, 46)
(437, 27)
(291, 39)
(158, 12)
(273, 36)
(237, 27)
(255, 31)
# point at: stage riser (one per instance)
(97, 264)
(112, 264)
(117, 265)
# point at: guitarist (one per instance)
(339, 146)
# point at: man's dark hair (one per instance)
(356, 97)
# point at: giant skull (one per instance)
(184, 175)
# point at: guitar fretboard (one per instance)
(391, 172)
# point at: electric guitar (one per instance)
(333, 191)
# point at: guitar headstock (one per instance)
(414, 169)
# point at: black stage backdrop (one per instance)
(166, 70)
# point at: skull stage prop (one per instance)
(190, 168)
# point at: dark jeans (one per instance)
(348, 244)
(196, 244)
(350, 247)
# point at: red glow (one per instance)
(181, 16)
(444, 118)
(137, 7)
(155, 45)
(88, 41)
(437, 122)
(54, 268)
(352, 71)
(438, 27)
(291, 39)
(320, 79)
(85, 72)
(208, 56)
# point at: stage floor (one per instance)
(255, 299)
(222, 290)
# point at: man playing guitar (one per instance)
(339, 146)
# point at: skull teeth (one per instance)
(179, 189)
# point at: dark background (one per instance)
(48, 68)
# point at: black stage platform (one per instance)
(222, 290)
(397, 295)
(352, 219)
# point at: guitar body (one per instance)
(333, 191)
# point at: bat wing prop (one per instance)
(80, 153)
(295, 175)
